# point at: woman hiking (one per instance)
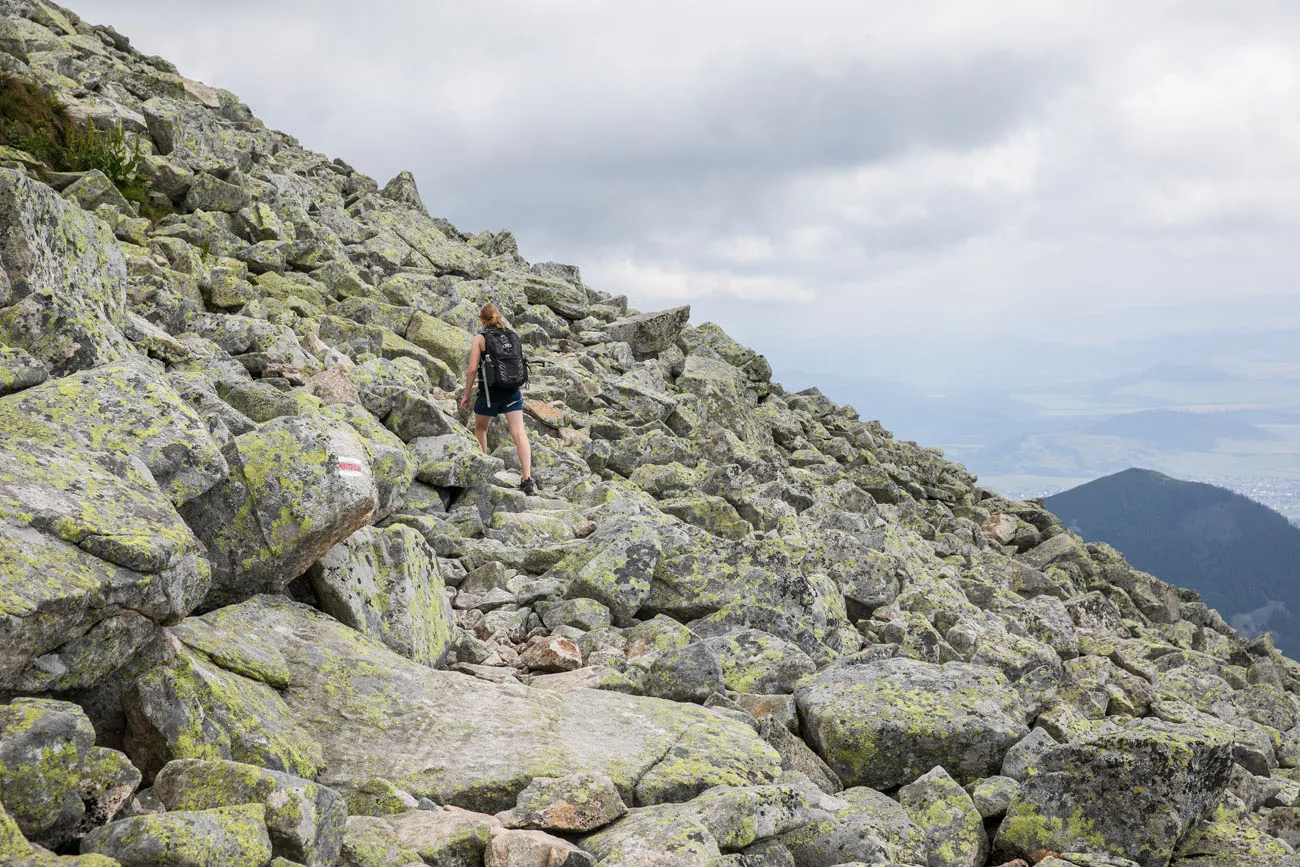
(497, 354)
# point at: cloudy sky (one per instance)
(927, 179)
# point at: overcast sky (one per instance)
(915, 176)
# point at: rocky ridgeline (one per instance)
(263, 602)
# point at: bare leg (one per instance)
(481, 423)
(519, 434)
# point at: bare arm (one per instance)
(475, 355)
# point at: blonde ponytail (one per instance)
(490, 316)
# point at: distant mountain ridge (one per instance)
(1242, 557)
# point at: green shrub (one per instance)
(33, 121)
(89, 148)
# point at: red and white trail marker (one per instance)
(352, 467)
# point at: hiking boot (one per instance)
(528, 486)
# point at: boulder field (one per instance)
(264, 602)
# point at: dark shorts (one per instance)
(503, 401)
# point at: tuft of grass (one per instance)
(32, 120)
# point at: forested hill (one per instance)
(1242, 557)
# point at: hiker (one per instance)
(496, 358)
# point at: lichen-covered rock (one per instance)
(650, 836)
(63, 298)
(370, 842)
(451, 837)
(1022, 754)
(447, 343)
(18, 370)
(94, 189)
(451, 461)
(690, 674)
(857, 825)
(297, 486)
(192, 708)
(127, 409)
(224, 837)
(1225, 839)
(753, 661)
(380, 797)
(883, 723)
(797, 756)
(992, 795)
(386, 584)
(462, 741)
(615, 568)
(403, 190)
(91, 554)
(1171, 777)
(57, 784)
(649, 333)
(305, 820)
(713, 514)
(945, 812)
(574, 803)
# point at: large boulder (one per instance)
(1170, 777)
(191, 707)
(724, 819)
(62, 279)
(577, 802)
(753, 661)
(722, 392)
(649, 333)
(91, 557)
(57, 784)
(447, 343)
(385, 583)
(305, 820)
(224, 837)
(858, 825)
(297, 486)
(615, 567)
(125, 408)
(884, 723)
(952, 825)
(463, 741)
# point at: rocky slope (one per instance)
(261, 601)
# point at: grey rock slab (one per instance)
(63, 291)
(533, 849)
(953, 826)
(573, 803)
(224, 837)
(56, 783)
(857, 825)
(649, 333)
(1171, 776)
(386, 584)
(125, 408)
(297, 486)
(305, 820)
(463, 741)
(18, 370)
(1021, 756)
(82, 544)
(690, 674)
(755, 662)
(883, 723)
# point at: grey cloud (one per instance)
(1019, 169)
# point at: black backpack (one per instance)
(503, 363)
